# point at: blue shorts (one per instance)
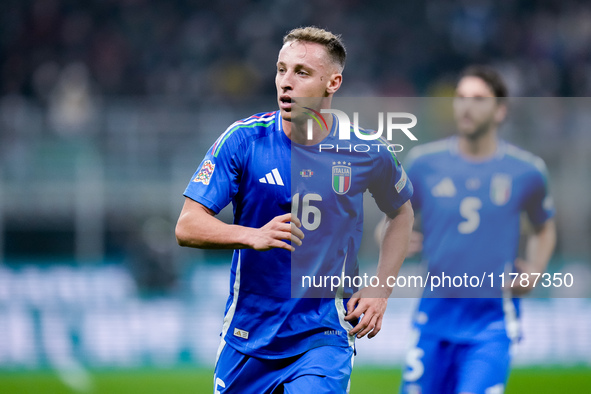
(440, 366)
(326, 369)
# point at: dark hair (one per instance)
(333, 43)
(490, 76)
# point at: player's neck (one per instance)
(298, 132)
(480, 148)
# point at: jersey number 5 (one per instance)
(311, 215)
(469, 210)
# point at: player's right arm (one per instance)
(197, 227)
(214, 185)
(539, 249)
(540, 244)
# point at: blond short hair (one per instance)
(333, 43)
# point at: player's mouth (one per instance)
(285, 102)
(466, 121)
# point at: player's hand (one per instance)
(523, 267)
(416, 244)
(296, 234)
(369, 311)
(273, 234)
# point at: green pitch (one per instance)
(197, 381)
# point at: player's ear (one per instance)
(501, 112)
(334, 83)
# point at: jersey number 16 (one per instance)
(311, 215)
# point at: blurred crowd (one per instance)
(103, 100)
(227, 49)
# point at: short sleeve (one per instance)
(412, 169)
(391, 187)
(538, 204)
(217, 178)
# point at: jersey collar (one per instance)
(454, 149)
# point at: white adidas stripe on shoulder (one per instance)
(250, 120)
(245, 123)
(527, 157)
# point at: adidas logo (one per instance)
(445, 188)
(273, 178)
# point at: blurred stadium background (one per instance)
(108, 106)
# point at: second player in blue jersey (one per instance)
(470, 190)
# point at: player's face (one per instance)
(304, 70)
(476, 109)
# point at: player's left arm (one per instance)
(539, 244)
(369, 304)
(539, 248)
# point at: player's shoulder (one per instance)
(253, 126)
(376, 147)
(363, 131)
(523, 158)
(244, 131)
(427, 151)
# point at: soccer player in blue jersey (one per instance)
(293, 201)
(470, 190)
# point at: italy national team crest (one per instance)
(500, 189)
(341, 177)
(205, 173)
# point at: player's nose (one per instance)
(286, 81)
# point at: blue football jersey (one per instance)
(257, 168)
(470, 218)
